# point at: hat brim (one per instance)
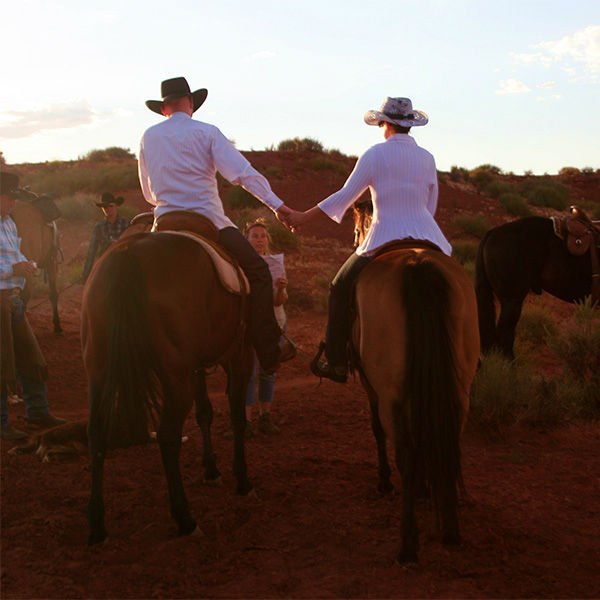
(117, 201)
(374, 117)
(199, 96)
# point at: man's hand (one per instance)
(296, 218)
(283, 213)
(24, 268)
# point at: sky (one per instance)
(510, 83)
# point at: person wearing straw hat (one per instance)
(21, 360)
(106, 231)
(402, 179)
(178, 162)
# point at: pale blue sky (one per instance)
(512, 83)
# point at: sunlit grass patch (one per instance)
(475, 226)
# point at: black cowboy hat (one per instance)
(9, 183)
(108, 198)
(176, 88)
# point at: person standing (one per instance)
(22, 360)
(178, 162)
(402, 178)
(106, 232)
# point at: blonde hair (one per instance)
(259, 222)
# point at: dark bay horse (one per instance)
(154, 318)
(515, 259)
(39, 242)
(416, 343)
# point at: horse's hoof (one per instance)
(96, 538)
(407, 558)
(214, 481)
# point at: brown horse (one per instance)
(416, 345)
(39, 242)
(154, 318)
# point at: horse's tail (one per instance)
(132, 383)
(431, 415)
(485, 300)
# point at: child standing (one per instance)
(258, 236)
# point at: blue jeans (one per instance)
(266, 385)
(34, 392)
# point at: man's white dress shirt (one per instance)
(403, 182)
(179, 158)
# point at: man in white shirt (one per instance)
(178, 162)
(402, 179)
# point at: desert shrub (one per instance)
(497, 188)
(77, 177)
(237, 197)
(568, 172)
(535, 325)
(300, 145)
(515, 204)
(552, 197)
(108, 154)
(458, 174)
(587, 170)
(528, 173)
(283, 239)
(322, 163)
(2, 159)
(464, 252)
(475, 226)
(273, 171)
(481, 179)
(489, 168)
(498, 391)
(299, 297)
(79, 207)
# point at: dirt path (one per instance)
(318, 528)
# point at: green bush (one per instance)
(237, 197)
(475, 226)
(322, 163)
(497, 188)
(551, 197)
(481, 179)
(515, 204)
(273, 172)
(79, 207)
(300, 145)
(464, 252)
(535, 325)
(489, 168)
(108, 154)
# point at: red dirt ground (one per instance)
(318, 528)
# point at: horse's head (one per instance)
(363, 214)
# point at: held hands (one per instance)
(24, 268)
(283, 213)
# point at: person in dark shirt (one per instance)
(107, 231)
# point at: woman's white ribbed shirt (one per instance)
(403, 182)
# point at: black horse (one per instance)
(517, 258)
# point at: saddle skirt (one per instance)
(204, 232)
(578, 232)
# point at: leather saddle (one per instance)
(203, 231)
(581, 235)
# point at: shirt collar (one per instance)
(401, 137)
(180, 115)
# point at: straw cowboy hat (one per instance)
(176, 88)
(108, 198)
(398, 111)
(9, 183)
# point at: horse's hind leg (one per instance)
(169, 438)
(407, 465)
(204, 416)
(510, 311)
(97, 448)
(384, 485)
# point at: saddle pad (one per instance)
(231, 276)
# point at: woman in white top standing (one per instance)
(402, 179)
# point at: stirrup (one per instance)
(322, 369)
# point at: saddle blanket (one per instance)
(231, 276)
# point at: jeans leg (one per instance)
(264, 330)
(34, 396)
(266, 386)
(338, 325)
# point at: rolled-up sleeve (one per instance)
(337, 204)
(237, 170)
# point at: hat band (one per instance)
(400, 117)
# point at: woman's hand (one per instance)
(281, 283)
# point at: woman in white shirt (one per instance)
(402, 179)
